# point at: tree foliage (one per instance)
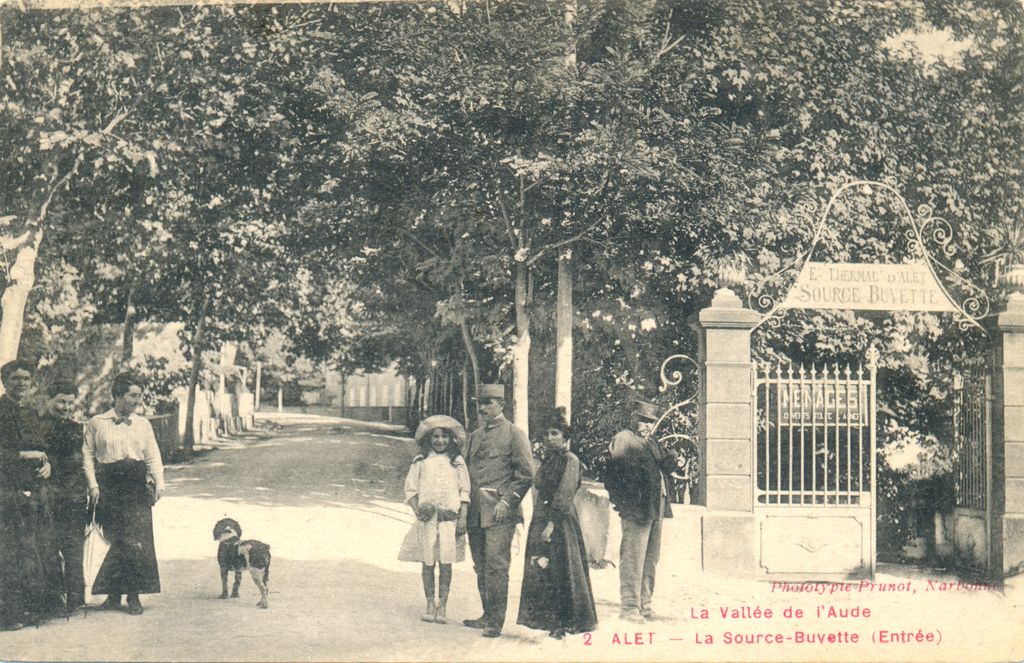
(394, 183)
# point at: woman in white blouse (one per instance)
(126, 478)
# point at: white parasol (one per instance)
(94, 552)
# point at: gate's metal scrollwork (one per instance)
(927, 237)
(676, 428)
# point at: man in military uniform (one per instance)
(500, 472)
(639, 483)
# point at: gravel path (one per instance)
(325, 493)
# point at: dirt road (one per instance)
(326, 495)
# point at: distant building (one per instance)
(380, 396)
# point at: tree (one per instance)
(196, 228)
(709, 144)
(415, 173)
(66, 127)
(503, 168)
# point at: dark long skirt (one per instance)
(126, 516)
(70, 516)
(558, 597)
(31, 583)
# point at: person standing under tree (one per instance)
(639, 484)
(500, 472)
(64, 438)
(556, 594)
(437, 489)
(126, 478)
(30, 578)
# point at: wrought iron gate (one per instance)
(972, 469)
(814, 457)
(676, 429)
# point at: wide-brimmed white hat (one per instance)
(441, 421)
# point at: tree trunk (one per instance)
(448, 392)
(128, 331)
(442, 392)
(22, 278)
(569, 17)
(563, 310)
(344, 378)
(467, 340)
(563, 337)
(22, 274)
(259, 384)
(451, 392)
(198, 338)
(521, 353)
(465, 393)
(417, 410)
(445, 396)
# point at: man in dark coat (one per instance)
(639, 484)
(500, 472)
(69, 487)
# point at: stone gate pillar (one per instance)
(725, 434)
(1007, 462)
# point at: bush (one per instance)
(160, 382)
(893, 513)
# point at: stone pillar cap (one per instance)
(727, 311)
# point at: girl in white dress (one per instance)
(437, 489)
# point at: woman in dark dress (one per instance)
(31, 584)
(556, 595)
(69, 487)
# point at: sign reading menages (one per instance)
(821, 404)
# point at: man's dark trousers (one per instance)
(491, 548)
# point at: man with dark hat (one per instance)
(500, 471)
(639, 483)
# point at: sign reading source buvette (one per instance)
(868, 286)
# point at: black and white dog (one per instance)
(235, 555)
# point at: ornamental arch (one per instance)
(785, 454)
